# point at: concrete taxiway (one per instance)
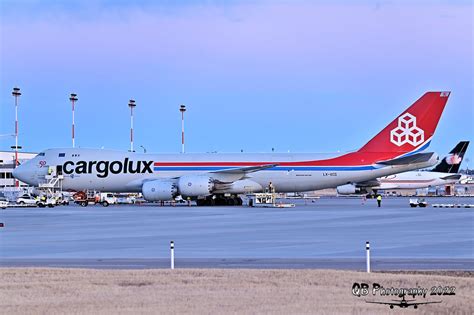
(326, 233)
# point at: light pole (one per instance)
(73, 100)
(131, 104)
(16, 93)
(182, 109)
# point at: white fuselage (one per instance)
(415, 180)
(116, 171)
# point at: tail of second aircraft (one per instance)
(411, 131)
(452, 162)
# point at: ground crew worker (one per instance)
(271, 189)
(379, 200)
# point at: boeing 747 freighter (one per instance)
(211, 178)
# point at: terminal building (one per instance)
(7, 164)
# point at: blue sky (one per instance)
(304, 76)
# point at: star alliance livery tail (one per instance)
(452, 162)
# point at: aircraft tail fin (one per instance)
(452, 162)
(412, 130)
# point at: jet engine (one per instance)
(157, 190)
(348, 189)
(195, 185)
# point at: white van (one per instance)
(107, 199)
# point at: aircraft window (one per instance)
(41, 154)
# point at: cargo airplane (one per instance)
(219, 178)
(403, 303)
(445, 173)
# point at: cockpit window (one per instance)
(41, 154)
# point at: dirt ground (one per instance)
(218, 291)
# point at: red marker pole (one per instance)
(73, 100)
(182, 109)
(132, 105)
(16, 93)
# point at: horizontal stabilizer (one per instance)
(411, 159)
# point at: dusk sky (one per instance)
(303, 76)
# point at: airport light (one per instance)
(16, 93)
(132, 105)
(73, 98)
(182, 109)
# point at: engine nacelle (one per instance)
(195, 185)
(157, 190)
(348, 189)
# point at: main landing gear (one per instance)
(220, 200)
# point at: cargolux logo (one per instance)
(102, 169)
(407, 131)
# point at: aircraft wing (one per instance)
(386, 303)
(452, 177)
(419, 303)
(375, 184)
(244, 170)
(225, 176)
(368, 183)
(411, 159)
(234, 174)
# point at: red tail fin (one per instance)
(412, 130)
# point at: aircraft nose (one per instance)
(23, 173)
(18, 173)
